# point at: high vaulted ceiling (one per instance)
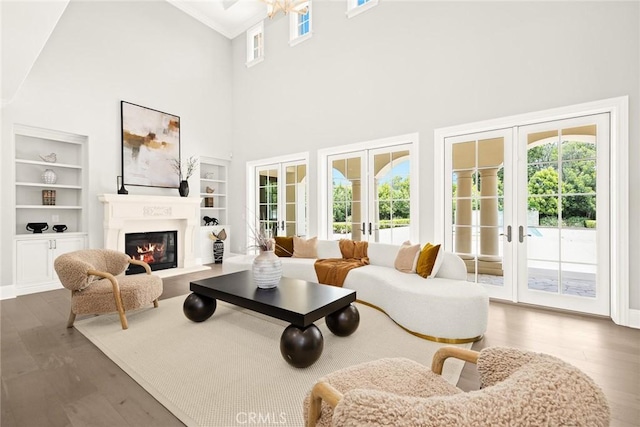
(27, 25)
(228, 17)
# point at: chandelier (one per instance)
(286, 6)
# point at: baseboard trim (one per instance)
(7, 292)
(170, 272)
(34, 289)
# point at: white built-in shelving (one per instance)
(213, 191)
(35, 252)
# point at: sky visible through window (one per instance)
(303, 24)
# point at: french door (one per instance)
(370, 195)
(281, 199)
(528, 211)
(481, 199)
(563, 215)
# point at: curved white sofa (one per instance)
(445, 308)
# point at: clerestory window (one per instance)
(356, 7)
(300, 23)
(255, 44)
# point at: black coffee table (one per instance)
(295, 301)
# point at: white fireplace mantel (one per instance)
(125, 213)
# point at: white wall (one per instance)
(36, 18)
(149, 53)
(416, 66)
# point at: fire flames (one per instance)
(149, 252)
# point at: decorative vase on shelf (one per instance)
(49, 176)
(218, 251)
(267, 270)
(184, 188)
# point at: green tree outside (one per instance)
(577, 186)
(578, 183)
(393, 204)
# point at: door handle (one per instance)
(364, 230)
(508, 233)
(369, 229)
(521, 234)
(282, 225)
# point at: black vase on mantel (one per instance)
(184, 188)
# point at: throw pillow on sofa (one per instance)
(305, 248)
(429, 260)
(406, 259)
(284, 246)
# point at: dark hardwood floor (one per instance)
(53, 376)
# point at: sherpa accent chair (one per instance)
(518, 388)
(98, 285)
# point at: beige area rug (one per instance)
(228, 371)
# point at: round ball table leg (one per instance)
(343, 322)
(301, 347)
(199, 308)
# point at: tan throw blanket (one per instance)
(333, 271)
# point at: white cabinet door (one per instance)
(64, 245)
(34, 263)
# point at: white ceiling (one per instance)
(228, 17)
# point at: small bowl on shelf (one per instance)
(59, 228)
(37, 227)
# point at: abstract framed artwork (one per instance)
(150, 146)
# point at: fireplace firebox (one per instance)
(156, 248)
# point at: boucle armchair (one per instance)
(517, 388)
(98, 285)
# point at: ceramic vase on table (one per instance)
(267, 270)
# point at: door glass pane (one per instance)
(543, 244)
(268, 199)
(346, 190)
(490, 186)
(295, 213)
(478, 189)
(392, 189)
(543, 247)
(464, 168)
(561, 245)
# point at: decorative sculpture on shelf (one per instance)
(208, 201)
(49, 177)
(49, 158)
(210, 221)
